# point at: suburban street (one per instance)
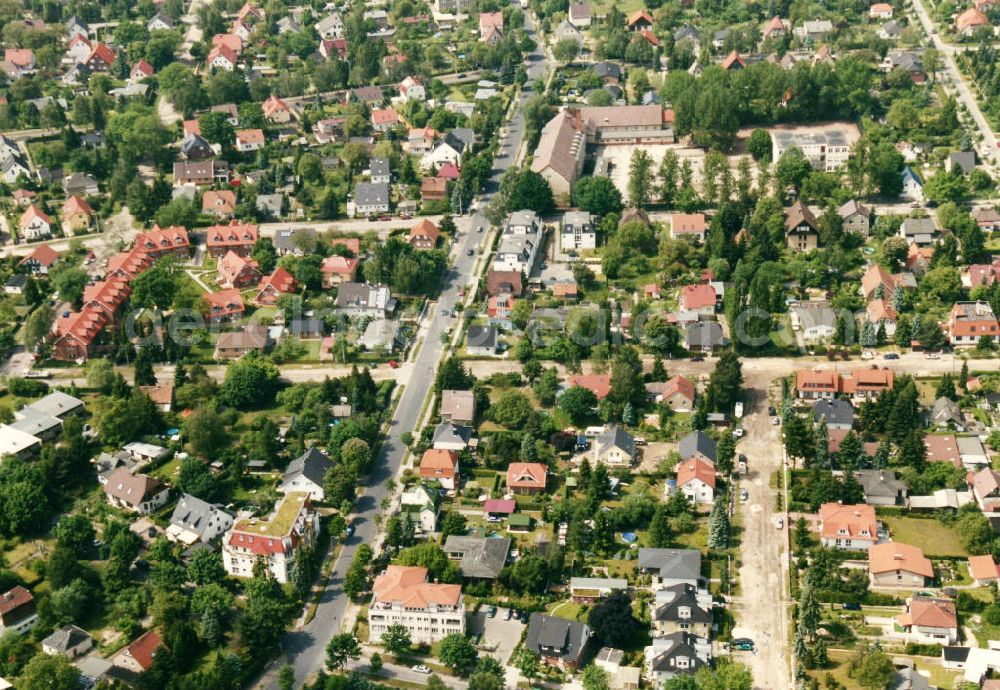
(305, 648)
(959, 87)
(761, 608)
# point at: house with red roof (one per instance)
(100, 59)
(499, 507)
(895, 564)
(696, 480)
(23, 59)
(231, 42)
(276, 110)
(598, 384)
(235, 271)
(279, 282)
(329, 47)
(277, 540)
(929, 620)
(440, 466)
(499, 309)
(699, 299)
(851, 527)
(678, 393)
(35, 224)
(640, 19)
(983, 570)
(18, 613)
(527, 477)
(449, 171)
(140, 71)
(338, 270)
(218, 202)
(969, 21)
(733, 61)
(77, 214)
(424, 235)
(41, 259)
(880, 10)
(249, 140)
(776, 28)
(138, 656)
(223, 305)
(76, 334)
(222, 57)
(690, 225)
(969, 322)
(384, 119)
(236, 237)
(107, 296)
(172, 240)
(403, 596)
(816, 384)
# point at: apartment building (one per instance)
(402, 595)
(275, 539)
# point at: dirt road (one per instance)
(761, 607)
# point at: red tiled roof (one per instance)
(43, 254)
(689, 470)
(598, 384)
(408, 586)
(144, 649)
(892, 556)
(74, 205)
(103, 53)
(280, 279)
(853, 519)
(697, 296)
(526, 475)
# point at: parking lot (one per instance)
(498, 637)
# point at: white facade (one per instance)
(827, 150)
(275, 539)
(698, 491)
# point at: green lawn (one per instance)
(933, 537)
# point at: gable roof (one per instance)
(676, 564)
(482, 557)
(527, 475)
(559, 637)
(839, 520)
(893, 556)
(313, 465)
(799, 214)
(144, 649)
(130, 488)
(697, 469)
(698, 442)
(598, 384)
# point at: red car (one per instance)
(393, 364)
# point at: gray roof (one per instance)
(35, 423)
(481, 336)
(664, 648)
(676, 564)
(879, 483)
(466, 135)
(559, 637)
(371, 193)
(306, 326)
(607, 69)
(577, 219)
(271, 204)
(381, 333)
(698, 442)
(615, 437)
(56, 404)
(451, 433)
(482, 557)
(66, 638)
(194, 514)
(78, 181)
(379, 167)
(312, 464)
(812, 316)
(283, 239)
(704, 334)
(965, 160)
(835, 412)
(946, 410)
(909, 679)
(523, 218)
(669, 600)
(918, 226)
(851, 207)
(165, 18)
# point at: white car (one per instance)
(738, 432)
(779, 523)
(420, 668)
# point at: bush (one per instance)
(27, 388)
(922, 649)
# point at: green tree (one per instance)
(512, 409)
(204, 432)
(871, 667)
(341, 649)
(578, 403)
(759, 145)
(527, 662)
(286, 677)
(597, 195)
(396, 639)
(612, 620)
(640, 178)
(718, 525)
(530, 191)
(458, 653)
(250, 383)
(595, 678)
(792, 169)
(45, 672)
(74, 532)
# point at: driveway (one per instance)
(499, 636)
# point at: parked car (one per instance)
(851, 606)
(491, 612)
(743, 644)
(890, 355)
(779, 523)
(420, 668)
(506, 615)
(744, 495)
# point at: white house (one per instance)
(275, 539)
(35, 224)
(696, 480)
(444, 152)
(913, 188)
(195, 520)
(305, 474)
(412, 89)
(430, 611)
(577, 231)
(423, 507)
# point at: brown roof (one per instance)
(679, 384)
(43, 254)
(892, 556)
(14, 599)
(697, 296)
(526, 475)
(558, 146)
(942, 448)
(986, 482)
(498, 281)
(130, 488)
(816, 380)
(797, 214)
(458, 404)
(161, 395)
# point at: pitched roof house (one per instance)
(440, 465)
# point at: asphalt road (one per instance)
(305, 648)
(958, 85)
